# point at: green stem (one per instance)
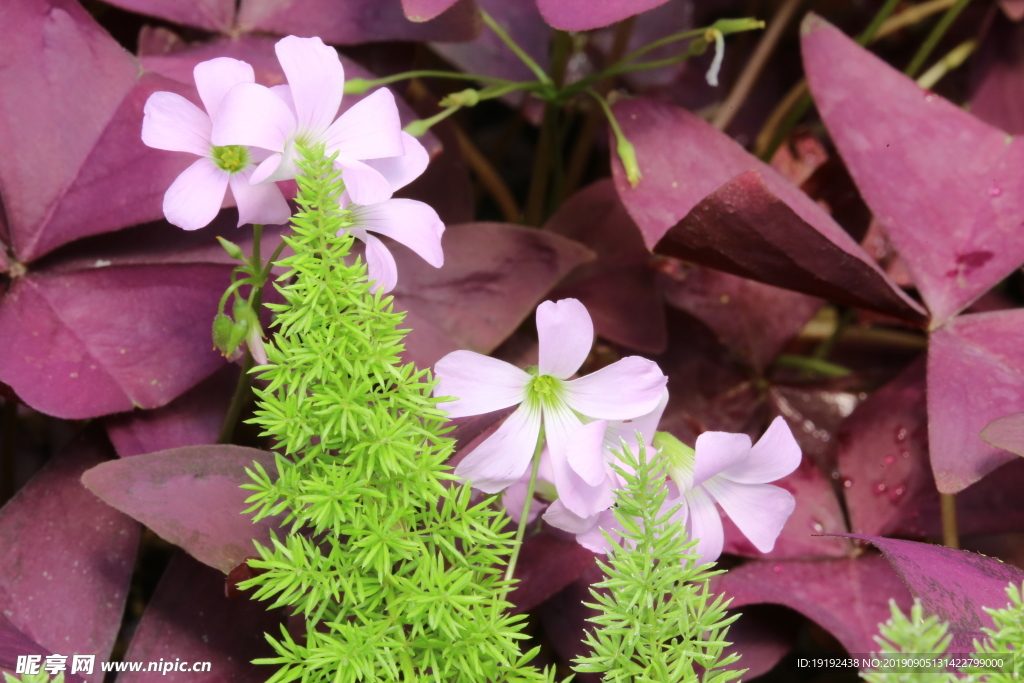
(934, 37)
(523, 520)
(816, 365)
(950, 534)
(869, 33)
(952, 60)
(419, 127)
(525, 58)
(359, 86)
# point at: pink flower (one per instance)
(627, 389)
(304, 112)
(407, 221)
(727, 470)
(173, 123)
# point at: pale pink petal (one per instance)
(380, 265)
(369, 130)
(255, 342)
(263, 204)
(503, 457)
(626, 389)
(775, 455)
(285, 93)
(215, 77)
(269, 170)
(480, 383)
(363, 184)
(251, 114)
(195, 197)
(759, 510)
(316, 78)
(514, 498)
(407, 221)
(716, 452)
(402, 170)
(595, 541)
(565, 519)
(584, 452)
(561, 428)
(173, 123)
(626, 430)
(704, 526)
(565, 333)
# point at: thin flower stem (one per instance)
(950, 534)
(876, 24)
(952, 60)
(358, 86)
(505, 38)
(934, 37)
(816, 365)
(523, 521)
(752, 69)
(547, 157)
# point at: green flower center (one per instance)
(231, 158)
(544, 389)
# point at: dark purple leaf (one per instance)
(493, 277)
(951, 208)
(425, 10)
(546, 566)
(67, 558)
(74, 162)
(210, 15)
(753, 319)
(192, 419)
(190, 496)
(814, 413)
(998, 97)
(703, 198)
(106, 340)
(762, 636)
(953, 584)
(189, 619)
(179, 63)
(14, 643)
(357, 21)
(847, 597)
(618, 288)
(975, 375)
(583, 15)
(1006, 433)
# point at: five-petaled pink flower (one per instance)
(726, 469)
(407, 221)
(173, 123)
(304, 111)
(547, 398)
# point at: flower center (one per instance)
(545, 389)
(231, 158)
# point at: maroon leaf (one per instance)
(583, 15)
(705, 199)
(210, 15)
(190, 620)
(14, 643)
(357, 21)
(493, 277)
(975, 375)
(546, 566)
(753, 319)
(74, 162)
(1006, 433)
(67, 558)
(105, 340)
(762, 636)
(815, 413)
(618, 287)
(953, 584)
(179, 63)
(997, 99)
(192, 419)
(424, 10)
(190, 496)
(847, 597)
(951, 208)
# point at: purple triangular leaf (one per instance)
(67, 558)
(847, 597)
(998, 98)
(190, 620)
(952, 584)
(210, 15)
(943, 183)
(618, 288)
(357, 21)
(192, 419)
(494, 275)
(106, 340)
(975, 375)
(706, 199)
(190, 496)
(753, 319)
(583, 15)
